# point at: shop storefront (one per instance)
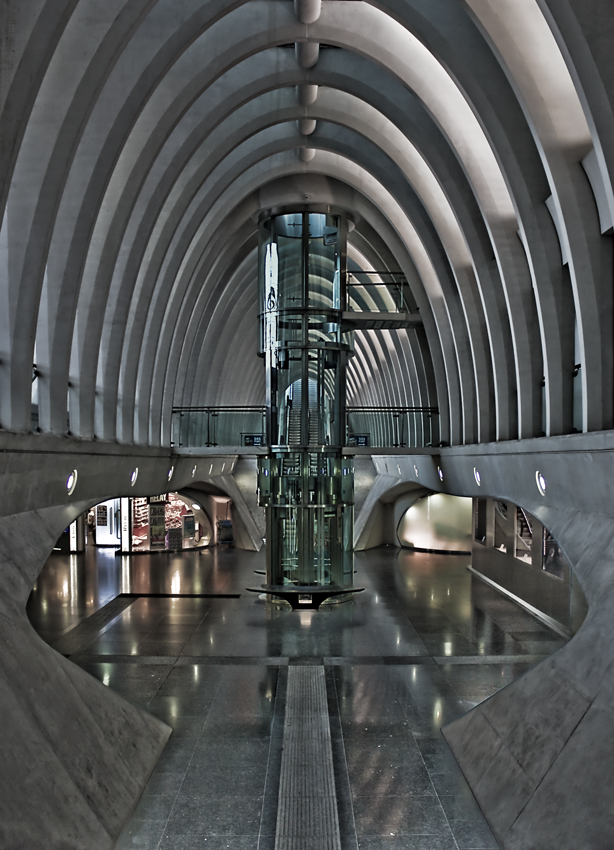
(162, 523)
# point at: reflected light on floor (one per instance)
(125, 574)
(306, 617)
(447, 649)
(176, 582)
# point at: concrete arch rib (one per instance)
(92, 310)
(373, 84)
(296, 192)
(554, 113)
(196, 179)
(233, 241)
(111, 348)
(369, 241)
(467, 407)
(29, 44)
(259, 170)
(87, 336)
(209, 322)
(211, 340)
(65, 101)
(211, 302)
(468, 333)
(450, 34)
(405, 371)
(228, 344)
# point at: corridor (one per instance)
(424, 643)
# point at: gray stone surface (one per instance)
(75, 755)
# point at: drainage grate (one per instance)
(86, 632)
(307, 807)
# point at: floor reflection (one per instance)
(424, 643)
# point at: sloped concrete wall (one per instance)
(539, 754)
(75, 755)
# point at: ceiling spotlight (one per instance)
(416, 470)
(71, 482)
(134, 476)
(194, 471)
(541, 483)
(477, 476)
(170, 472)
(196, 508)
(440, 473)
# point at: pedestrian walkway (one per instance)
(424, 643)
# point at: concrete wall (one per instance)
(74, 755)
(539, 755)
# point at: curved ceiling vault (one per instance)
(142, 138)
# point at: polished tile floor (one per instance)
(424, 643)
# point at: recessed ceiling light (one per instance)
(541, 483)
(71, 482)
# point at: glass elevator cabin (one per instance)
(305, 483)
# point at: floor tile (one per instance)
(232, 815)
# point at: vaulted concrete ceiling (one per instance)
(141, 139)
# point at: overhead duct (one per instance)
(307, 94)
(306, 126)
(307, 53)
(307, 11)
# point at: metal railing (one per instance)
(390, 427)
(195, 427)
(387, 295)
(377, 427)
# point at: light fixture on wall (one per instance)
(134, 476)
(477, 476)
(71, 482)
(541, 483)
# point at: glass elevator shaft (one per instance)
(305, 483)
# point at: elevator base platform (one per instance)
(308, 596)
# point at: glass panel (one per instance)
(219, 427)
(501, 525)
(480, 520)
(324, 262)
(553, 561)
(524, 536)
